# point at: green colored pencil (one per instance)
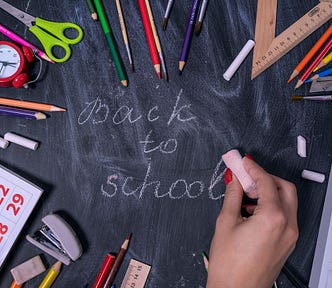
(110, 41)
(206, 261)
(92, 9)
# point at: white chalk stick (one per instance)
(233, 161)
(238, 60)
(28, 270)
(313, 176)
(301, 146)
(3, 143)
(19, 140)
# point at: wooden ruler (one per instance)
(136, 275)
(268, 48)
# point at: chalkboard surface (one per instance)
(146, 159)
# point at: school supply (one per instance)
(110, 42)
(29, 105)
(206, 261)
(50, 34)
(198, 26)
(268, 48)
(321, 269)
(92, 10)
(124, 33)
(57, 238)
(4, 143)
(149, 36)
(167, 12)
(313, 176)
(136, 274)
(156, 39)
(15, 285)
(18, 197)
(27, 114)
(22, 141)
(11, 35)
(326, 72)
(117, 262)
(51, 275)
(322, 84)
(104, 271)
(315, 98)
(188, 36)
(326, 60)
(311, 53)
(316, 61)
(28, 270)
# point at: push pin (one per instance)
(57, 239)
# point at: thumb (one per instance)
(231, 209)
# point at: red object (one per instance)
(249, 157)
(104, 271)
(149, 36)
(22, 69)
(228, 176)
(28, 53)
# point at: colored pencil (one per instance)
(326, 60)
(311, 53)
(11, 35)
(318, 98)
(104, 271)
(30, 105)
(51, 275)
(198, 26)
(206, 261)
(188, 36)
(124, 33)
(324, 73)
(15, 285)
(156, 39)
(167, 12)
(311, 67)
(28, 114)
(149, 36)
(92, 9)
(110, 41)
(117, 262)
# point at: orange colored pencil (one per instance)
(311, 53)
(15, 285)
(149, 36)
(29, 105)
(312, 66)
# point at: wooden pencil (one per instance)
(326, 60)
(92, 9)
(30, 105)
(124, 34)
(149, 36)
(156, 39)
(28, 114)
(311, 53)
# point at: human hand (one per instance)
(250, 252)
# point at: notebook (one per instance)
(18, 197)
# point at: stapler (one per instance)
(57, 239)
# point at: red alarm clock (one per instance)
(14, 64)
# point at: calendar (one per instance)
(18, 197)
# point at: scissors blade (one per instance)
(25, 18)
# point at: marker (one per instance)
(51, 275)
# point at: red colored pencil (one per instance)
(313, 65)
(104, 271)
(149, 36)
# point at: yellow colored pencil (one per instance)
(51, 276)
(326, 60)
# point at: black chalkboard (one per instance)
(146, 159)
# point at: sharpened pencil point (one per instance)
(94, 16)
(165, 23)
(40, 116)
(181, 65)
(298, 84)
(293, 75)
(124, 83)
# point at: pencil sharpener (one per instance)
(58, 239)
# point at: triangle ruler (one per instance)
(268, 48)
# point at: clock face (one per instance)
(9, 61)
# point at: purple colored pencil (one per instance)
(189, 33)
(28, 114)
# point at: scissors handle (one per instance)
(56, 36)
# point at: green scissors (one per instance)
(50, 34)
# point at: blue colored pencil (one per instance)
(326, 72)
(28, 114)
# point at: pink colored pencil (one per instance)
(313, 65)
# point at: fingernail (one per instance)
(249, 156)
(228, 176)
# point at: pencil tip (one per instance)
(94, 16)
(298, 84)
(132, 68)
(181, 65)
(165, 23)
(40, 116)
(293, 75)
(124, 83)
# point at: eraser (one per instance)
(301, 146)
(3, 143)
(28, 270)
(234, 161)
(20, 140)
(313, 176)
